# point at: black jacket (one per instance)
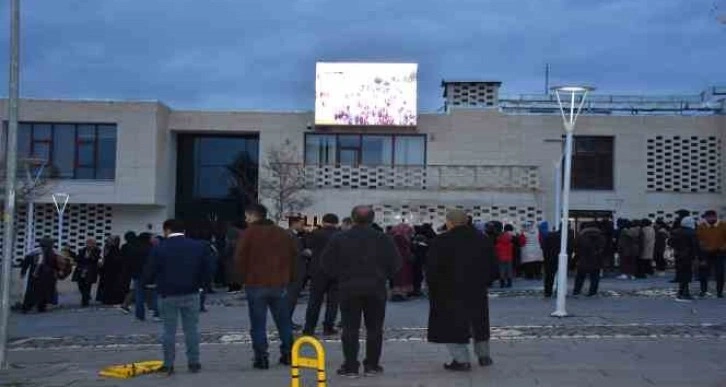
(590, 249)
(87, 265)
(362, 260)
(317, 241)
(457, 271)
(179, 266)
(685, 246)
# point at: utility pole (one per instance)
(10, 165)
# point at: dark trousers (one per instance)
(684, 274)
(296, 287)
(418, 274)
(372, 307)
(322, 287)
(594, 276)
(85, 289)
(532, 270)
(643, 268)
(715, 265)
(660, 262)
(550, 269)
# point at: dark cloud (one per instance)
(233, 54)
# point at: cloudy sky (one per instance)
(239, 54)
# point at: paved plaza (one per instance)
(633, 334)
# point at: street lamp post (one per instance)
(558, 193)
(61, 201)
(577, 96)
(10, 165)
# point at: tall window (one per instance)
(592, 163)
(72, 151)
(222, 164)
(365, 149)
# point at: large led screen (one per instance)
(365, 94)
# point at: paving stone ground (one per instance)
(634, 334)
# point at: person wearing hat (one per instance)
(361, 261)
(458, 274)
(712, 238)
(41, 269)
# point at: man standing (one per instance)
(179, 267)
(361, 260)
(458, 274)
(647, 251)
(322, 285)
(712, 237)
(297, 231)
(590, 255)
(86, 272)
(265, 259)
(685, 249)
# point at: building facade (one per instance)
(130, 165)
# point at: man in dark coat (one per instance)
(684, 242)
(590, 249)
(361, 260)
(302, 276)
(322, 285)
(458, 270)
(86, 272)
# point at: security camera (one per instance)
(309, 126)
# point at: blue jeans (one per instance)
(140, 293)
(259, 300)
(171, 308)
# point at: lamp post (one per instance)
(61, 201)
(10, 173)
(577, 96)
(558, 193)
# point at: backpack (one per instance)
(64, 267)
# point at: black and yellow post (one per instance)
(317, 363)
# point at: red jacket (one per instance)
(505, 247)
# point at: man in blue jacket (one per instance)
(179, 268)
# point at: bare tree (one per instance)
(284, 181)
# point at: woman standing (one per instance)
(628, 249)
(86, 272)
(504, 248)
(532, 256)
(110, 289)
(41, 269)
(403, 281)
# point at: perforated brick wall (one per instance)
(684, 164)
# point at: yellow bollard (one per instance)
(317, 363)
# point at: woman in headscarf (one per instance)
(403, 281)
(111, 290)
(41, 268)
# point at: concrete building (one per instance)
(127, 165)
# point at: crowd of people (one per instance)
(355, 267)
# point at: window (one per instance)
(365, 149)
(223, 163)
(72, 151)
(410, 150)
(320, 150)
(592, 163)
